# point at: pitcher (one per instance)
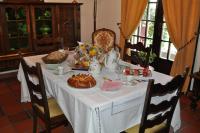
(112, 59)
(95, 67)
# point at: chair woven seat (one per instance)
(54, 109)
(155, 129)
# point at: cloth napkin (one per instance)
(109, 85)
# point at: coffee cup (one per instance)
(60, 70)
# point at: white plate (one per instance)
(65, 72)
(131, 77)
(82, 89)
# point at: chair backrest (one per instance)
(104, 38)
(35, 83)
(163, 111)
(133, 56)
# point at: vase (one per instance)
(45, 29)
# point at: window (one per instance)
(167, 50)
(152, 22)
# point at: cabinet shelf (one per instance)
(39, 36)
(21, 20)
(18, 37)
(43, 20)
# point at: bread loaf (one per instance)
(55, 57)
(82, 81)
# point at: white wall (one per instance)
(109, 14)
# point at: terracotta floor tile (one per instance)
(1, 112)
(17, 97)
(4, 121)
(8, 129)
(15, 88)
(186, 117)
(4, 89)
(13, 81)
(26, 106)
(19, 117)
(25, 126)
(12, 109)
(7, 99)
(190, 129)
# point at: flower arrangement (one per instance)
(85, 52)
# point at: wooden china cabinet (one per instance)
(34, 27)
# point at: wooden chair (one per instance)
(104, 38)
(133, 56)
(195, 93)
(163, 111)
(46, 109)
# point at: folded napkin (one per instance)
(109, 85)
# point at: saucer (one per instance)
(65, 72)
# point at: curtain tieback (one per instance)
(186, 44)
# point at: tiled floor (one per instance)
(16, 117)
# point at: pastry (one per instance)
(82, 81)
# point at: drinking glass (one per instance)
(120, 74)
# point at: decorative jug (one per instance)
(112, 59)
(95, 67)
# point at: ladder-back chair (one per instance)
(162, 112)
(131, 53)
(46, 109)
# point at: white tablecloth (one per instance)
(94, 110)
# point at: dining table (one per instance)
(94, 110)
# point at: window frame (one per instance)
(159, 29)
(160, 64)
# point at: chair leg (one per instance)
(48, 127)
(34, 122)
(48, 130)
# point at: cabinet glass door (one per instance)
(16, 20)
(43, 22)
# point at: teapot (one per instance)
(111, 60)
(94, 67)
